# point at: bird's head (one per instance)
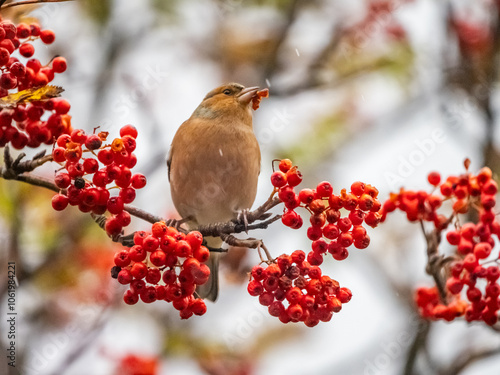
(231, 99)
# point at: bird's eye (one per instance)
(227, 92)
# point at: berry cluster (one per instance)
(473, 270)
(296, 291)
(329, 231)
(38, 121)
(292, 286)
(87, 181)
(164, 264)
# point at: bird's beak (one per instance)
(246, 95)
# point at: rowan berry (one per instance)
(59, 202)
(115, 205)
(26, 49)
(129, 130)
(314, 233)
(358, 188)
(47, 36)
(324, 189)
(112, 226)
(434, 178)
(278, 179)
(255, 288)
(139, 270)
(59, 64)
(285, 165)
(294, 177)
(130, 298)
(124, 277)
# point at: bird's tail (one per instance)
(210, 290)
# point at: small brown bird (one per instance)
(214, 164)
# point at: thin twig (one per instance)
(141, 214)
(29, 2)
(465, 360)
(435, 260)
(419, 343)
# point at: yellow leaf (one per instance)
(30, 95)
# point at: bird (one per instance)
(214, 165)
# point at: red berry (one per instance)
(47, 36)
(150, 243)
(317, 206)
(62, 106)
(278, 179)
(139, 270)
(137, 253)
(195, 239)
(306, 196)
(482, 250)
(10, 29)
(290, 218)
(153, 276)
(123, 218)
(255, 288)
(122, 259)
(127, 194)
(434, 178)
(454, 285)
(59, 64)
(93, 142)
(130, 298)
(314, 233)
(115, 205)
(490, 188)
(90, 165)
(8, 81)
(113, 226)
(318, 220)
(18, 69)
(344, 295)
(198, 307)
(23, 31)
(124, 277)
(285, 165)
(26, 50)
(358, 188)
(138, 181)
(59, 202)
(58, 154)
(128, 130)
(294, 177)
(298, 256)
(324, 189)
(4, 56)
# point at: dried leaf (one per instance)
(30, 95)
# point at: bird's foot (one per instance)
(242, 218)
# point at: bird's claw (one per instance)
(243, 218)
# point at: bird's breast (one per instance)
(214, 170)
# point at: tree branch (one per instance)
(466, 359)
(28, 2)
(419, 343)
(260, 218)
(436, 261)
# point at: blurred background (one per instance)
(380, 91)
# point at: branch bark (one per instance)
(260, 218)
(30, 2)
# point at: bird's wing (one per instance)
(169, 161)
